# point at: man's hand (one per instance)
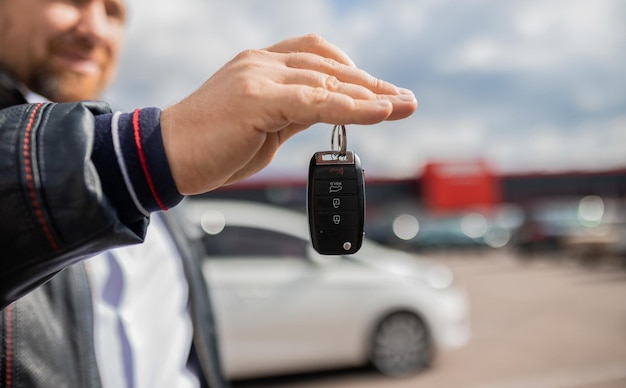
(232, 126)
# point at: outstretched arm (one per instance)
(232, 126)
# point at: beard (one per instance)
(61, 85)
(54, 79)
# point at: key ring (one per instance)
(342, 140)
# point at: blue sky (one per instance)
(528, 85)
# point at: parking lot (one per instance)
(549, 322)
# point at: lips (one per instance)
(79, 62)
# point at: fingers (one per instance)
(314, 53)
(327, 80)
(403, 100)
(316, 79)
(348, 74)
(316, 71)
(308, 105)
(306, 96)
(329, 72)
(312, 44)
(330, 77)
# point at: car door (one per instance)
(274, 306)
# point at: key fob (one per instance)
(336, 202)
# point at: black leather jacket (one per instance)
(53, 214)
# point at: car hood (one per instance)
(403, 264)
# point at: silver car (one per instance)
(283, 308)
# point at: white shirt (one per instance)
(143, 330)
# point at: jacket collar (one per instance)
(10, 93)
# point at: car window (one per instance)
(252, 242)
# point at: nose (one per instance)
(93, 23)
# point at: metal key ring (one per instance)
(342, 140)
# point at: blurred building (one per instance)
(447, 186)
(462, 204)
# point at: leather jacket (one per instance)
(53, 214)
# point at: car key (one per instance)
(336, 199)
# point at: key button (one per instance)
(335, 172)
(336, 187)
(336, 203)
(338, 219)
(339, 240)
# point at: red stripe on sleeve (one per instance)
(142, 160)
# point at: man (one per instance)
(77, 180)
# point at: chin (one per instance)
(70, 87)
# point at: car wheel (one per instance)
(401, 345)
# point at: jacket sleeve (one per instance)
(53, 209)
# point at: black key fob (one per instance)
(336, 202)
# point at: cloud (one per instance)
(525, 84)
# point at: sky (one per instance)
(527, 86)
